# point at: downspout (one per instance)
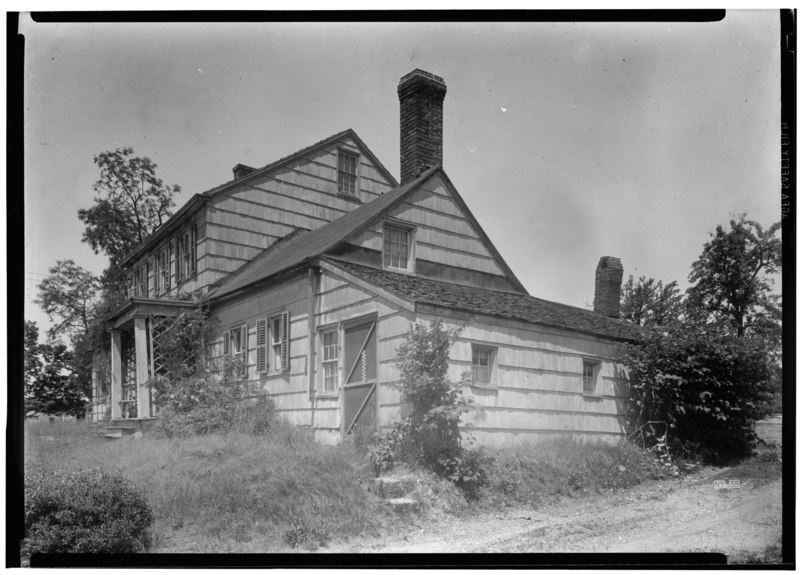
(312, 292)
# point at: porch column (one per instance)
(116, 373)
(142, 368)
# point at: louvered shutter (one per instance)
(244, 350)
(261, 345)
(226, 343)
(285, 341)
(193, 250)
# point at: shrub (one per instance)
(84, 511)
(697, 391)
(430, 434)
(214, 402)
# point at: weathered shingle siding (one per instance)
(247, 218)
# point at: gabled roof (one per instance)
(514, 306)
(203, 197)
(318, 241)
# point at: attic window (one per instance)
(348, 173)
(398, 247)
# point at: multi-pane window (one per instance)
(279, 342)
(138, 282)
(589, 377)
(162, 270)
(481, 365)
(186, 255)
(396, 247)
(330, 360)
(237, 347)
(348, 173)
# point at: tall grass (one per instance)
(226, 493)
(551, 467)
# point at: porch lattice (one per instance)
(128, 403)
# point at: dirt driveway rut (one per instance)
(713, 510)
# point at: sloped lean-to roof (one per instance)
(316, 242)
(514, 306)
(198, 199)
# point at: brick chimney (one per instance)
(608, 286)
(421, 121)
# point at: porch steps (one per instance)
(395, 491)
(119, 428)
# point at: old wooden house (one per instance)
(316, 265)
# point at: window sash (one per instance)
(481, 366)
(589, 382)
(348, 172)
(396, 247)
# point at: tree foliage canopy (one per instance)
(67, 296)
(648, 303)
(50, 384)
(731, 278)
(131, 203)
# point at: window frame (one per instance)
(411, 259)
(335, 362)
(596, 366)
(342, 153)
(276, 363)
(163, 279)
(491, 351)
(228, 340)
(185, 254)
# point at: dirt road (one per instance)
(736, 511)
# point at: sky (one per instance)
(568, 141)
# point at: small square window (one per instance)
(396, 247)
(330, 360)
(591, 370)
(348, 173)
(482, 365)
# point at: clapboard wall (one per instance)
(537, 384)
(249, 217)
(338, 301)
(443, 236)
(245, 218)
(288, 389)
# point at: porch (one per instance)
(136, 357)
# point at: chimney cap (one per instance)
(421, 77)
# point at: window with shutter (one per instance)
(261, 346)
(285, 341)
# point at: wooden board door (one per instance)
(361, 376)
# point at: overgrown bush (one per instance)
(83, 511)
(430, 434)
(199, 396)
(219, 402)
(696, 392)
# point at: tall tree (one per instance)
(731, 278)
(131, 203)
(50, 385)
(67, 295)
(648, 303)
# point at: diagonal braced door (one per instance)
(361, 376)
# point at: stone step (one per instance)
(391, 487)
(403, 504)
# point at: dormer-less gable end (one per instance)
(432, 233)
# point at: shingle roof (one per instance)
(316, 242)
(490, 302)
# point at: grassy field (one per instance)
(240, 493)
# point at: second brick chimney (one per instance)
(421, 122)
(608, 286)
